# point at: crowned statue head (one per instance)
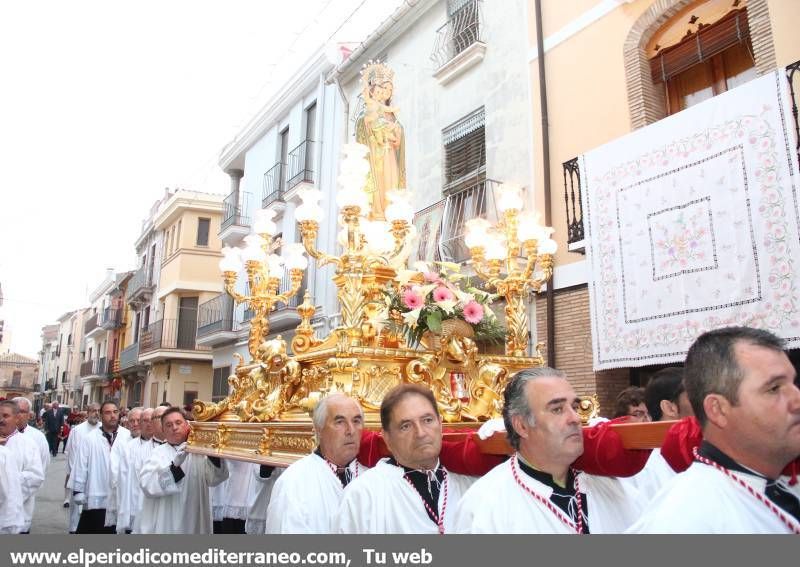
(377, 81)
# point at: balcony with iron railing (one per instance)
(234, 207)
(140, 284)
(459, 43)
(274, 183)
(573, 204)
(87, 367)
(215, 321)
(110, 318)
(471, 201)
(301, 164)
(792, 73)
(90, 324)
(129, 357)
(178, 336)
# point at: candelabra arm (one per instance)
(479, 263)
(530, 253)
(230, 282)
(546, 266)
(308, 234)
(296, 278)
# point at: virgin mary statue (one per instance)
(378, 128)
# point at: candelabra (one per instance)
(513, 257)
(371, 248)
(264, 273)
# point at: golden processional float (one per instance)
(397, 324)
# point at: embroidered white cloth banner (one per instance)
(692, 224)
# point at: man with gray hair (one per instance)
(537, 490)
(306, 497)
(27, 458)
(742, 388)
(32, 433)
(122, 477)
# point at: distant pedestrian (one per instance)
(63, 436)
(53, 419)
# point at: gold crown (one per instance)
(375, 73)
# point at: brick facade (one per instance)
(573, 339)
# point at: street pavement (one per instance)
(50, 516)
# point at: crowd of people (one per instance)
(728, 465)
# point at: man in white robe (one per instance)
(37, 436)
(27, 458)
(91, 477)
(237, 496)
(176, 483)
(666, 400)
(11, 512)
(537, 490)
(139, 454)
(742, 388)
(76, 437)
(411, 492)
(121, 475)
(264, 479)
(306, 497)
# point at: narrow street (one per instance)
(50, 517)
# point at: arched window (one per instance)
(702, 51)
(681, 52)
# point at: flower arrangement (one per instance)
(424, 306)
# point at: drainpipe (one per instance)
(549, 294)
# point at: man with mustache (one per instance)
(27, 459)
(306, 497)
(410, 492)
(537, 490)
(742, 388)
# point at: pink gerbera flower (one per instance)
(441, 293)
(432, 277)
(412, 300)
(473, 312)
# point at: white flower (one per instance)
(379, 318)
(423, 267)
(412, 316)
(404, 276)
(447, 306)
(426, 289)
(463, 296)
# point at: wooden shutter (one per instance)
(710, 40)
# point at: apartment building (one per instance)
(178, 368)
(291, 144)
(18, 376)
(611, 68)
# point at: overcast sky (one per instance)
(105, 103)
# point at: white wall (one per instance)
(499, 83)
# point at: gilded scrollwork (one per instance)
(374, 383)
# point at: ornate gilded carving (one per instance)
(486, 392)
(589, 408)
(373, 383)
